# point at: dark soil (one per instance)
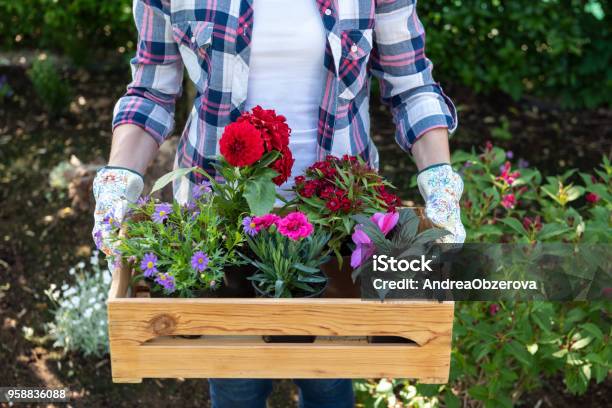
(42, 236)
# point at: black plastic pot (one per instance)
(289, 339)
(235, 282)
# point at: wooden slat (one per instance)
(256, 359)
(134, 321)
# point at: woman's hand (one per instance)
(114, 188)
(441, 188)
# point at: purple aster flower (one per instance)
(199, 261)
(162, 211)
(522, 163)
(510, 154)
(149, 265)
(142, 201)
(249, 226)
(98, 239)
(201, 189)
(110, 219)
(167, 281)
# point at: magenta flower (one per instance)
(249, 226)
(508, 201)
(162, 211)
(295, 226)
(199, 261)
(363, 247)
(506, 174)
(167, 281)
(149, 264)
(265, 221)
(385, 221)
(201, 189)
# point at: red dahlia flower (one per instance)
(241, 144)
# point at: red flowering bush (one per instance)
(333, 190)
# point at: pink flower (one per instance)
(295, 226)
(363, 249)
(385, 221)
(265, 221)
(493, 309)
(508, 201)
(592, 198)
(507, 176)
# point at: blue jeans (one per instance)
(244, 393)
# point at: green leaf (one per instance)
(170, 177)
(593, 330)
(515, 225)
(260, 194)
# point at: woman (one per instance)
(311, 61)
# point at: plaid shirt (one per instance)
(211, 39)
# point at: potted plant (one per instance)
(255, 158)
(395, 234)
(330, 193)
(288, 253)
(179, 251)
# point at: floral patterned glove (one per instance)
(114, 188)
(441, 188)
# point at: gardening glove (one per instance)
(114, 188)
(441, 188)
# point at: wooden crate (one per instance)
(144, 340)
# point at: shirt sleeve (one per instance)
(157, 73)
(398, 60)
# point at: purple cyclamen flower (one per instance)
(199, 261)
(522, 163)
(249, 226)
(510, 154)
(167, 281)
(201, 189)
(162, 211)
(149, 264)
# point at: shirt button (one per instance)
(328, 12)
(354, 48)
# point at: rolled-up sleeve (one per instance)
(157, 73)
(398, 60)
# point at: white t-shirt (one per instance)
(286, 71)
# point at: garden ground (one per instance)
(42, 234)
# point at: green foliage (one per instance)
(75, 27)
(285, 267)
(79, 312)
(503, 350)
(557, 48)
(53, 92)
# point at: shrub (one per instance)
(556, 48)
(501, 350)
(79, 317)
(54, 93)
(75, 27)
